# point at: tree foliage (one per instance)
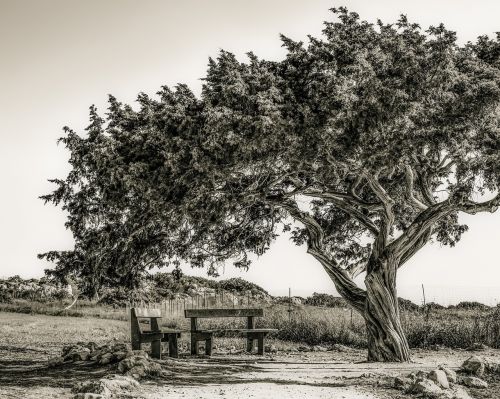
(373, 138)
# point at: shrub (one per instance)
(470, 305)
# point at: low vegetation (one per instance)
(455, 327)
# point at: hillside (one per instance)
(164, 286)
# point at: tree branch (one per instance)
(343, 282)
(387, 220)
(472, 207)
(410, 178)
(403, 246)
(346, 207)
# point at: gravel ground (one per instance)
(29, 340)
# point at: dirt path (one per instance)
(29, 340)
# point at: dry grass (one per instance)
(454, 328)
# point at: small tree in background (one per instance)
(372, 138)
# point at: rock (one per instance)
(108, 387)
(137, 372)
(303, 348)
(473, 382)
(119, 356)
(421, 375)
(439, 377)
(139, 366)
(107, 358)
(119, 347)
(457, 392)
(426, 388)
(403, 383)
(270, 349)
(450, 374)
(119, 383)
(91, 346)
(55, 361)
(77, 353)
(474, 365)
(492, 367)
(319, 348)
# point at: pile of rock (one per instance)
(439, 383)
(444, 383)
(137, 364)
(104, 388)
(89, 351)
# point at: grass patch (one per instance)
(455, 327)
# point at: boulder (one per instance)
(474, 365)
(426, 388)
(319, 348)
(303, 348)
(439, 377)
(450, 374)
(138, 365)
(473, 382)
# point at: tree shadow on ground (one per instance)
(29, 373)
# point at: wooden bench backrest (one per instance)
(206, 313)
(146, 313)
(138, 314)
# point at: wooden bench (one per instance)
(253, 334)
(154, 335)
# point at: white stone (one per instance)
(427, 388)
(439, 377)
(474, 382)
(450, 374)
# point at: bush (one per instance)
(473, 305)
(407, 305)
(326, 300)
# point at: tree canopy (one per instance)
(372, 138)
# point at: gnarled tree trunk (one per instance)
(386, 339)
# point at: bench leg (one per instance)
(260, 343)
(156, 349)
(250, 344)
(208, 346)
(173, 350)
(136, 345)
(194, 345)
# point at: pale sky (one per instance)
(59, 57)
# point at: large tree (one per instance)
(365, 144)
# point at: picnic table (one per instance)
(253, 334)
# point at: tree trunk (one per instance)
(386, 338)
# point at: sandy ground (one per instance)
(28, 341)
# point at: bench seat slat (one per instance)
(212, 313)
(241, 330)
